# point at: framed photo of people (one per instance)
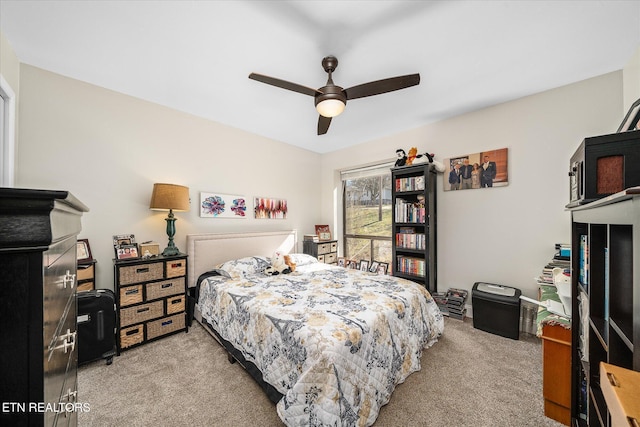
(486, 169)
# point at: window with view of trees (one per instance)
(367, 214)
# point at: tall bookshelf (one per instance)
(414, 224)
(605, 259)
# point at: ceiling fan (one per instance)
(331, 99)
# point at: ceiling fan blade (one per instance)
(382, 86)
(323, 124)
(284, 84)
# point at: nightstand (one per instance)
(326, 251)
(150, 298)
(86, 275)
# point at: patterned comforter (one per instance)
(334, 342)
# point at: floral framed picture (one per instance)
(217, 205)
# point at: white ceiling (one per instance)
(195, 56)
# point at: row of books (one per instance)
(410, 211)
(311, 238)
(452, 303)
(410, 265)
(414, 183)
(411, 240)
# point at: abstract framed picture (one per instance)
(486, 169)
(217, 205)
(269, 208)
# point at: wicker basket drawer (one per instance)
(85, 273)
(131, 336)
(165, 288)
(176, 268)
(141, 313)
(175, 304)
(85, 286)
(165, 325)
(324, 248)
(130, 295)
(330, 258)
(140, 273)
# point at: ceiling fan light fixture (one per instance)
(330, 107)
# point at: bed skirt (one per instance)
(273, 394)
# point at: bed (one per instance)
(327, 344)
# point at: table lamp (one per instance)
(170, 197)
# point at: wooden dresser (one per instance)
(38, 363)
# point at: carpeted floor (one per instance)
(468, 378)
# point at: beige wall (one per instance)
(631, 80)
(502, 235)
(9, 64)
(108, 149)
(10, 72)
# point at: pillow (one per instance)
(243, 266)
(303, 259)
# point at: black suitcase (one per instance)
(96, 325)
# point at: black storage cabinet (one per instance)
(496, 309)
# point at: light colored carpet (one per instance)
(468, 378)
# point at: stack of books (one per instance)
(311, 238)
(441, 300)
(452, 303)
(456, 303)
(562, 259)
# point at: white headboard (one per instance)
(208, 250)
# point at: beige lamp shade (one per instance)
(169, 196)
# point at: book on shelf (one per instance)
(410, 265)
(409, 211)
(412, 183)
(583, 262)
(416, 241)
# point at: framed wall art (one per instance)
(217, 205)
(323, 232)
(486, 169)
(269, 208)
(83, 250)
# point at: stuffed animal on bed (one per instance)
(279, 264)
